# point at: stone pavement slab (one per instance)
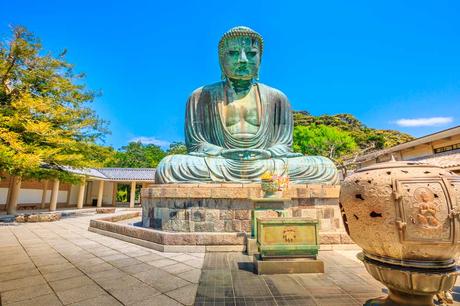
(70, 283)
(159, 300)
(102, 300)
(184, 295)
(79, 294)
(27, 293)
(133, 294)
(43, 300)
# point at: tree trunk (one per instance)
(13, 195)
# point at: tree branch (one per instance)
(12, 59)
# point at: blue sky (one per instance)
(381, 61)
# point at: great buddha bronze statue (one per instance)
(237, 129)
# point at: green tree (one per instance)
(177, 148)
(322, 140)
(138, 155)
(45, 117)
(366, 138)
(326, 141)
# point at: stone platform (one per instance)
(226, 208)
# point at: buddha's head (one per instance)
(240, 53)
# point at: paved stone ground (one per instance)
(62, 263)
(228, 279)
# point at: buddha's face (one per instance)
(241, 58)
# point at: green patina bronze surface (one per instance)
(261, 205)
(237, 129)
(287, 237)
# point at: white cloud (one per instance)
(433, 121)
(151, 140)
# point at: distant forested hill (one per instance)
(365, 137)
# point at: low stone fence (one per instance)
(38, 217)
(166, 241)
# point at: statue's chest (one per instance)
(242, 111)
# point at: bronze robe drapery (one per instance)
(206, 136)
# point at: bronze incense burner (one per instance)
(405, 217)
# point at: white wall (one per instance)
(3, 195)
(108, 192)
(74, 189)
(62, 197)
(30, 196)
(95, 189)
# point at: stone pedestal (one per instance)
(251, 246)
(291, 266)
(226, 208)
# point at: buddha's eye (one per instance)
(233, 53)
(251, 53)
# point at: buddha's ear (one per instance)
(222, 75)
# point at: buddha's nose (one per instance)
(242, 58)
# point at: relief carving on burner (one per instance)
(427, 208)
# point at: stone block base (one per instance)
(288, 266)
(226, 208)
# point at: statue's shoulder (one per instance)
(206, 89)
(197, 92)
(272, 91)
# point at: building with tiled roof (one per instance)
(129, 174)
(447, 160)
(99, 189)
(441, 149)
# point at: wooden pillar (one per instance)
(44, 192)
(140, 196)
(54, 195)
(81, 195)
(132, 194)
(89, 192)
(114, 193)
(13, 195)
(100, 193)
